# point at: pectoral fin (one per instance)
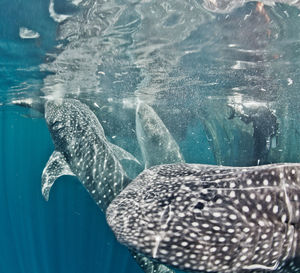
(121, 154)
(55, 167)
(150, 266)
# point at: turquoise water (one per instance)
(215, 79)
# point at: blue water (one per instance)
(187, 62)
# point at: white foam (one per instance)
(55, 91)
(26, 33)
(56, 17)
(28, 101)
(76, 2)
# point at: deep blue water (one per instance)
(192, 73)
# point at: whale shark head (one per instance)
(212, 218)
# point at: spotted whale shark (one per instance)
(156, 143)
(212, 218)
(82, 150)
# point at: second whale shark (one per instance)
(212, 218)
(156, 143)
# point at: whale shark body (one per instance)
(212, 218)
(82, 150)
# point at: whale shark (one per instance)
(156, 143)
(210, 218)
(82, 150)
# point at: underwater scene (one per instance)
(149, 136)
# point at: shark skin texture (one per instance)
(211, 218)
